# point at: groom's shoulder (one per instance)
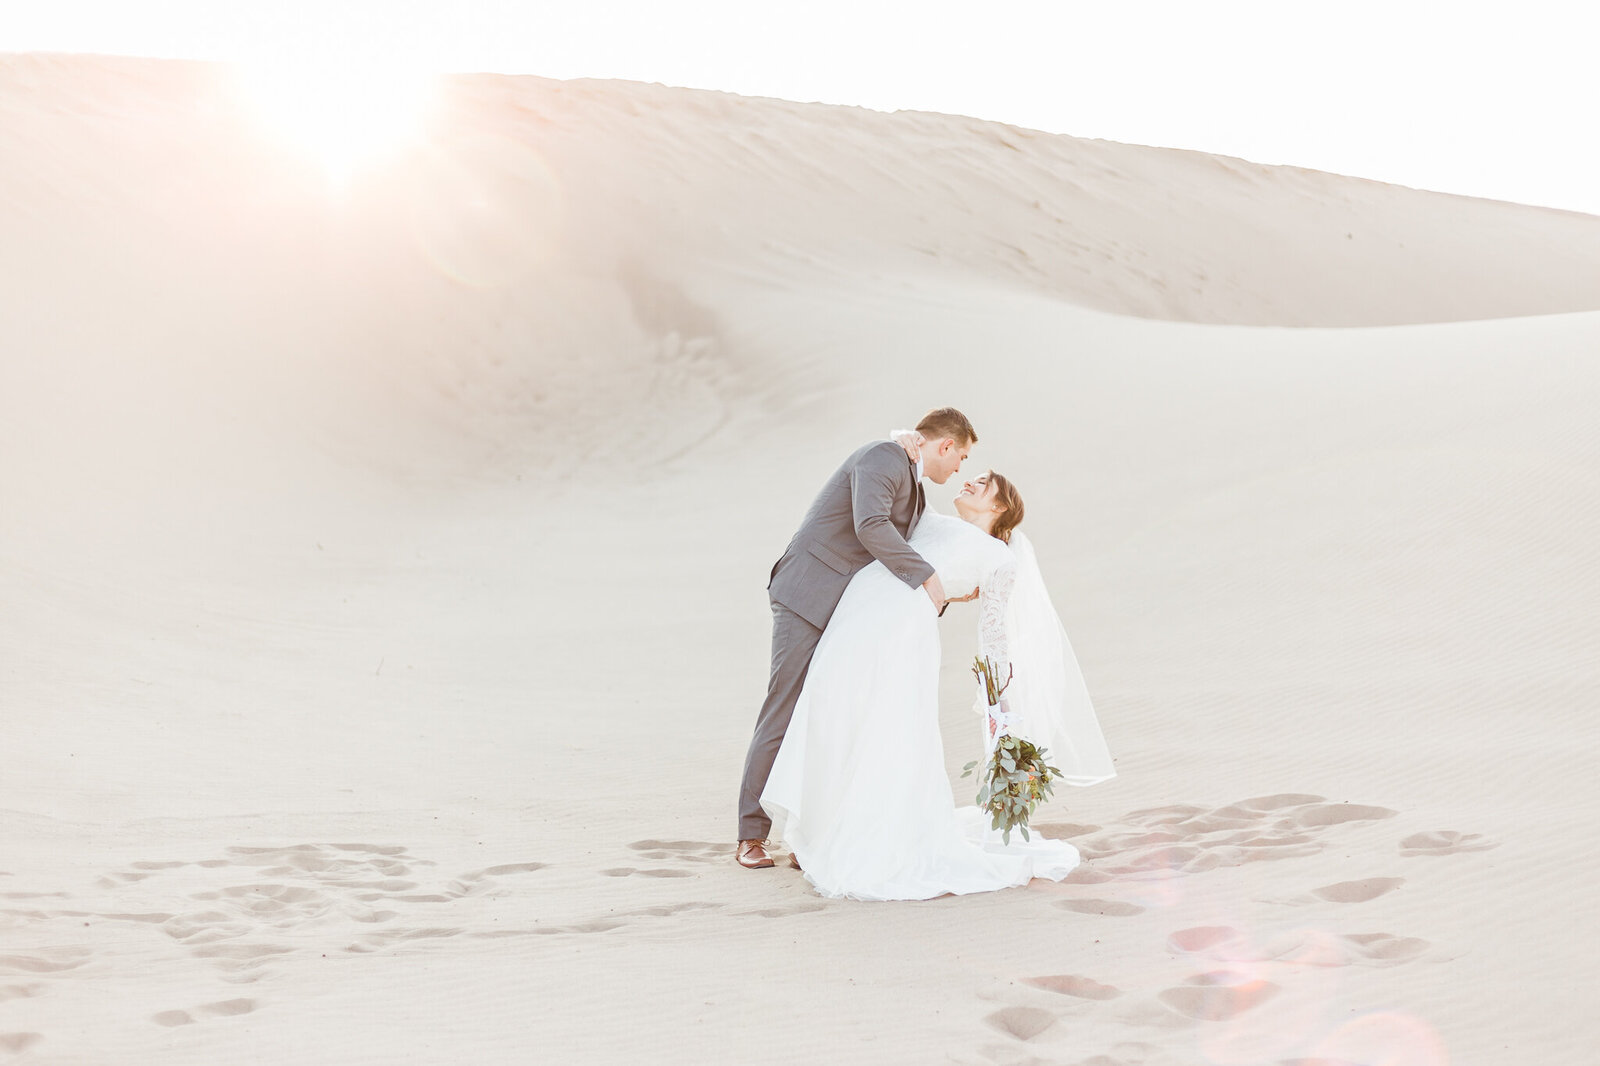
(882, 457)
(875, 451)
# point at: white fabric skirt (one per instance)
(859, 791)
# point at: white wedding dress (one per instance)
(859, 791)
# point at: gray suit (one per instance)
(866, 511)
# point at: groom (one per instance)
(865, 511)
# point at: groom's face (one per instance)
(946, 460)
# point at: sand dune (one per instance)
(382, 579)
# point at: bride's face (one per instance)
(977, 496)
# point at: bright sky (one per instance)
(1485, 99)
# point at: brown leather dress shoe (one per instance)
(794, 861)
(752, 855)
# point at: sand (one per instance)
(381, 584)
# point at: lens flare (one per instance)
(346, 114)
(1386, 1038)
(1270, 993)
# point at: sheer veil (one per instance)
(1048, 699)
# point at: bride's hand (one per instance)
(910, 440)
(968, 598)
(998, 714)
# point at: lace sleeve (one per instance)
(993, 640)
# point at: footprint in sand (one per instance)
(1358, 891)
(1326, 814)
(245, 924)
(508, 868)
(1073, 985)
(1149, 1014)
(246, 911)
(1444, 842)
(1200, 938)
(16, 1043)
(683, 850)
(145, 917)
(1021, 1023)
(62, 961)
(225, 1009)
(1183, 838)
(1108, 907)
(805, 907)
(1217, 996)
(486, 881)
(1384, 949)
(669, 909)
(241, 961)
(395, 936)
(675, 851)
(1299, 946)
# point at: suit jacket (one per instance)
(865, 511)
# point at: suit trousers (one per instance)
(794, 640)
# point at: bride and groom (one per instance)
(847, 759)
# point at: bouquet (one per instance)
(1017, 779)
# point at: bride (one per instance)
(859, 790)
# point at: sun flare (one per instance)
(346, 115)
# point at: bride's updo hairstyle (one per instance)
(1007, 497)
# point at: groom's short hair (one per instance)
(947, 422)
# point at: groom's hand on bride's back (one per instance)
(942, 603)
